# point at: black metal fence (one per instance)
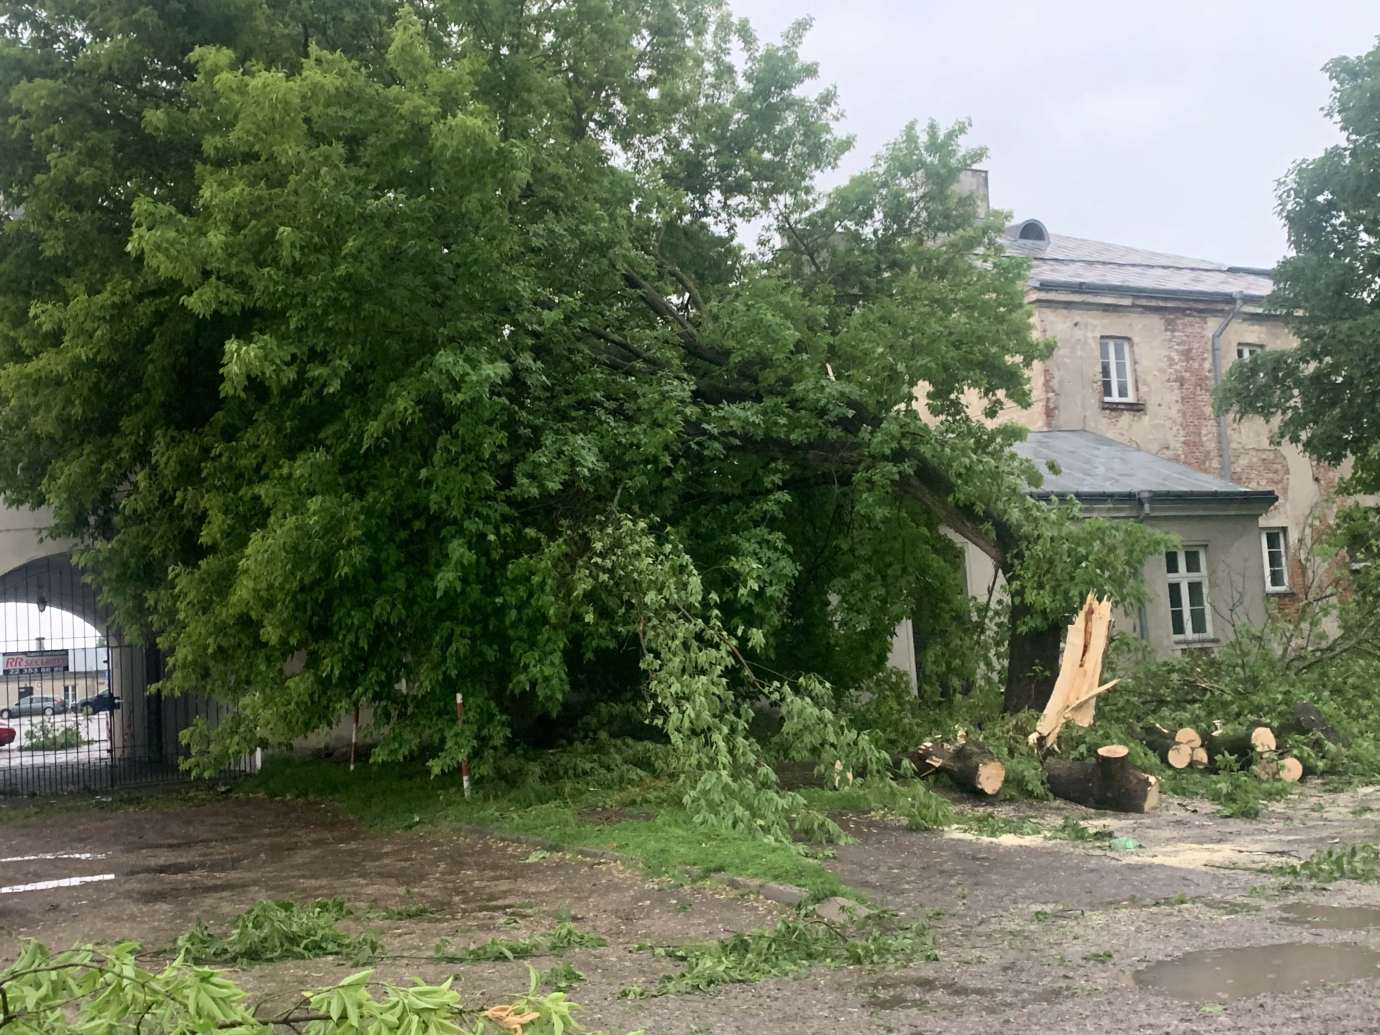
(76, 714)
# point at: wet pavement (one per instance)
(1194, 932)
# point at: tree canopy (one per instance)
(1324, 391)
(381, 352)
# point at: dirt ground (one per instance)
(1032, 934)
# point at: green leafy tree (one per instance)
(1324, 392)
(378, 353)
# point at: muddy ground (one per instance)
(1032, 934)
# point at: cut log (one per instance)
(1286, 769)
(1188, 735)
(1308, 720)
(1166, 745)
(1200, 758)
(1244, 745)
(1109, 783)
(969, 764)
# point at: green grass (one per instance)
(667, 843)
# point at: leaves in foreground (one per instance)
(789, 949)
(86, 989)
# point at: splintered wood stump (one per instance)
(1173, 752)
(1110, 783)
(1244, 745)
(969, 764)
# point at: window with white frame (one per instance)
(1190, 617)
(1274, 551)
(1246, 350)
(1118, 376)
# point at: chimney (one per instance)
(974, 181)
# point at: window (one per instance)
(1274, 550)
(1118, 380)
(1246, 351)
(1189, 617)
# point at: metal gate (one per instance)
(76, 713)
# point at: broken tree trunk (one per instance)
(969, 764)
(1244, 745)
(1110, 783)
(1173, 752)
(1074, 696)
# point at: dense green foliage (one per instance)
(1324, 391)
(392, 352)
(1358, 862)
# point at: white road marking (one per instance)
(65, 882)
(54, 855)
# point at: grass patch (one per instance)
(560, 978)
(791, 948)
(273, 930)
(410, 908)
(562, 938)
(986, 824)
(667, 843)
(1359, 862)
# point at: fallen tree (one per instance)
(968, 763)
(1110, 782)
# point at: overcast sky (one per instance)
(1164, 129)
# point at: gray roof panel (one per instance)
(1078, 264)
(1094, 465)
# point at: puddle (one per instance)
(54, 855)
(1212, 974)
(1335, 918)
(62, 882)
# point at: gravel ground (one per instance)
(1189, 933)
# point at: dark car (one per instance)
(105, 701)
(7, 736)
(33, 706)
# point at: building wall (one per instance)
(1173, 415)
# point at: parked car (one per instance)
(33, 706)
(105, 701)
(7, 736)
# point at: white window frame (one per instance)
(1247, 349)
(1283, 533)
(1183, 578)
(1108, 345)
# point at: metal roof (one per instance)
(1094, 466)
(1076, 264)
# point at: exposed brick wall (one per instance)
(1187, 345)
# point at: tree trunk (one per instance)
(1308, 720)
(1244, 745)
(1032, 663)
(1110, 783)
(969, 764)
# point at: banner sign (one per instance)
(27, 663)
